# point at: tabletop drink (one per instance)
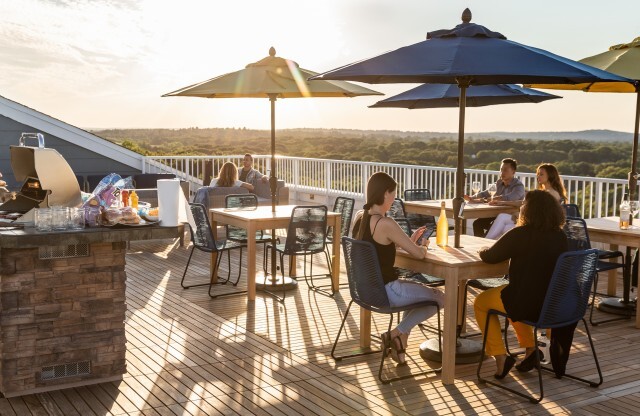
(442, 228)
(475, 187)
(625, 213)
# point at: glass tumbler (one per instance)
(43, 219)
(76, 218)
(60, 218)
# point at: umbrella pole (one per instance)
(633, 180)
(463, 84)
(273, 182)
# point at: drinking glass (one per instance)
(42, 218)
(634, 206)
(76, 218)
(492, 190)
(60, 218)
(475, 187)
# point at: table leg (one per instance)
(613, 274)
(251, 261)
(365, 328)
(335, 258)
(449, 330)
(213, 273)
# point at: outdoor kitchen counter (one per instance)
(62, 306)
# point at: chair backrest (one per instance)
(418, 220)
(405, 225)
(577, 234)
(202, 236)
(569, 289)
(366, 284)
(571, 210)
(417, 194)
(345, 207)
(307, 230)
(239, 201)
(397, 209)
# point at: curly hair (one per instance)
(541, 211)
(228, 175)
(378, 184)
(554, 179)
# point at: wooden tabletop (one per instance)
(471, 210)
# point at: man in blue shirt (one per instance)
(508, 188)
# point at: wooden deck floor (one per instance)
(190, 355)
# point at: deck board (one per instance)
(188, 354)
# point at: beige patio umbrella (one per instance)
(272, 77)
(624, 60)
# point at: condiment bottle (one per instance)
(442, 228)
(125, 198)
(134, 199)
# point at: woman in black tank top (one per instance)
(385, 234)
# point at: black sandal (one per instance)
(529, 363)
(508, 365)
(395, 351)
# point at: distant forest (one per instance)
(572, 157)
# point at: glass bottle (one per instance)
(625, 213)
(442, 228)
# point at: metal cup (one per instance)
(43, 219)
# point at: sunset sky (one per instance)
(105, 63)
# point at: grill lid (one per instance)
(49, 168)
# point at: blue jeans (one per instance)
(402, 292)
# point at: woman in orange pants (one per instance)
(532, 247)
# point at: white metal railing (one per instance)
(596, 197)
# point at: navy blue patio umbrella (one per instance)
(469, 54)
(448, 95)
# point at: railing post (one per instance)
(327, 178)
(365, 178)
(598, 213)
(296, 175)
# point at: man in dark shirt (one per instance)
(508, 188)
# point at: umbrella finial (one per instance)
(272, 51)
(466, 15)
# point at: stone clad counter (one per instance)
(62, 306)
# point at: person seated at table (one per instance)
(532, 247)
(372, 224)
(508, 188)
(249, 174)
(228, 176)
(548, 180)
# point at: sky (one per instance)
(106, 63)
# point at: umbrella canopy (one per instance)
(448, 95)
(469, 54)
(272, 77)
(624, 60)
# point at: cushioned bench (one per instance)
(213, 197)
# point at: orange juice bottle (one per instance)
(134, 199)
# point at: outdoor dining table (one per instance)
(262, 218)
(472, 210)
(455, 266)
(607, 230)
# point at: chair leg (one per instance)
(236, 292)
(595, 359)
(185, 273)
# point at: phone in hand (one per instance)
(426, 233)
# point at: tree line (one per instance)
(572, 157)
